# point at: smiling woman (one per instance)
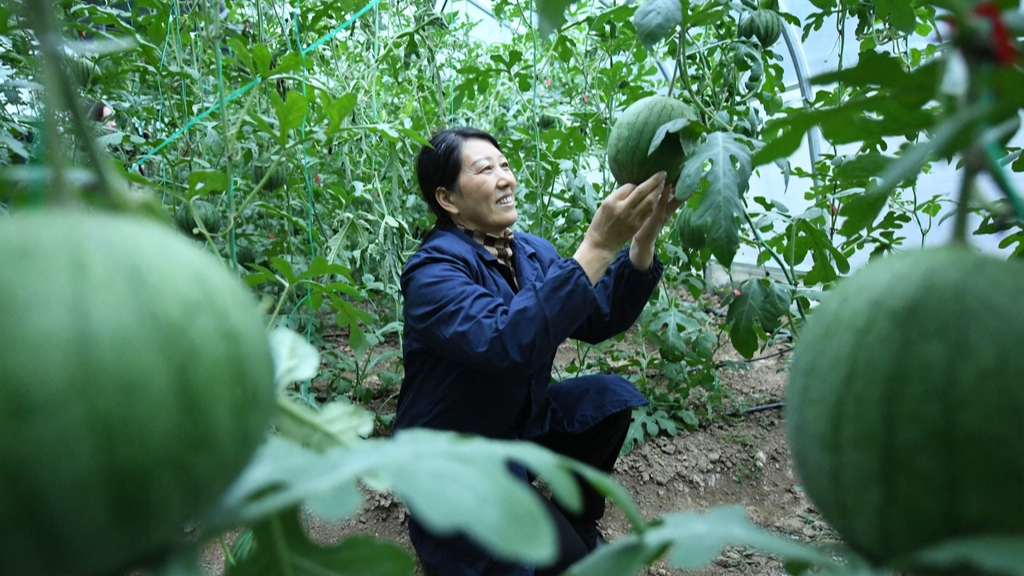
(484, 196)
(485, 310)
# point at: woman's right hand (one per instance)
(618, 218)
(623, 212)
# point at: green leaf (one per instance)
(657, 19)
(290, 62)
(762, 302)
(899, 13)
(281, 547)
(262, 124)
(884, 71)
(339, 109)
(895, 105)
(241, 53)
(451, 483)
(13, 145)
(727, 175)
(823, 253)
(284, 268)
(205, 182)
(667, 330)
(551, 15)
(707, 14)
(635, 434)
(625, 557)
(335, 424)
(861, 211)
(321, 267)
(672, 126)
(295, 359)
(290, 112)
(261, 57)
(697, 539)
(987, 554)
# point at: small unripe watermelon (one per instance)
(631, 138)
(276, 180)
(906, 402)
(764, 24)
(208, 215)
(135, 384)
(692, 234)
(83, 71)
(245, 255)
(546, 121)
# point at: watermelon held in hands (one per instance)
(906, 402)
(136, 382)
(631, 137)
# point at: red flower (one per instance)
(585, 99)
(737, 292)
(984, 37)
(547, 82)
(271, 236)
(316, 178)
(1005, 51)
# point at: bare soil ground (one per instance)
(744, 460)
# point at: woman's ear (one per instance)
(444, 198)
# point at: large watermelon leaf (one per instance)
(695, 540)
(761, 304)
(445, 479)
(656, 19)
(724, 162)
(668, 330)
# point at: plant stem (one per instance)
(966, 191)
(680, 42)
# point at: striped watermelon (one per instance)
(764, 24)
(633, 133)
(905, 403)
(693, 234)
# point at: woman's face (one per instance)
(485, 199)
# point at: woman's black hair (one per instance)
(438, 166)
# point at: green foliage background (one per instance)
(300, 125)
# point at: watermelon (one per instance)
(135, 384)
(632, 135)
(905, 402)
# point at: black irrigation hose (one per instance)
(755, 409)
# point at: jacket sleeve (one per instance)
(621, 296)
(449, 313)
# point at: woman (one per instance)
(485, 311)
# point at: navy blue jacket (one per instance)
(478, 355)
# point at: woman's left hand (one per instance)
(641, 251)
